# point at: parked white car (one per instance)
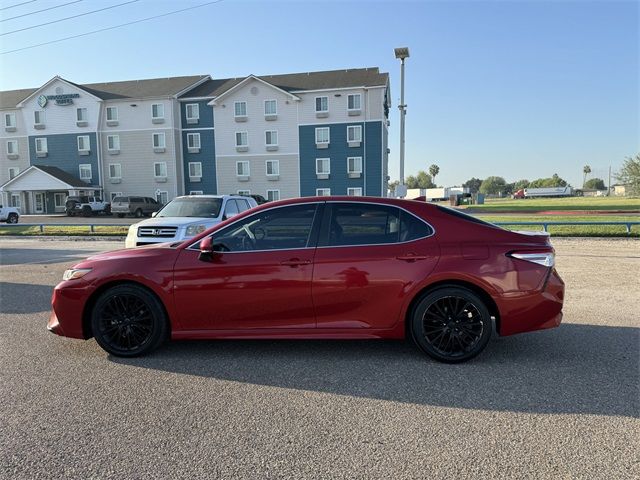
(186, 217)
(9, 214)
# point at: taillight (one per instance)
(546, 259)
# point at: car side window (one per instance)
(362, 224)
(231, 208)
(412, 228)
(277, 229)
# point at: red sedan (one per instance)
(320, 268)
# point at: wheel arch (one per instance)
(87, 331)
(491, 305)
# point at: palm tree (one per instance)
(433, 171)
(586, 170)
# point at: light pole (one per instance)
(402, 53)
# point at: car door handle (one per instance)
(412, 257)
(295, 262)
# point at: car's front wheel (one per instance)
(451, 324)
(128, 320)
(13, 218)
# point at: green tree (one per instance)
(421, 180)
(629, 174)
(392, 185)
(554, 181)
(434, 170)
(493, 185)
(586, 170)
(473, 184)
(595, 183)
(524, 183)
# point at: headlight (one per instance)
(75, 273)
(193, 230)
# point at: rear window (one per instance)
(121, 199)
(464, 216)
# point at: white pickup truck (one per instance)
(9, 214)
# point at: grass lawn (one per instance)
(570, 203)
(571, 230)
(65, 230)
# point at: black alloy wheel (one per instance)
(451, 324)
(128, 320)
(13, 218)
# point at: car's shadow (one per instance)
(575, 369)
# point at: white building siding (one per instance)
(136, 114)
(22, 162)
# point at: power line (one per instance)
(68, 18)
(38, 11)
(17, 5)
(110, 28)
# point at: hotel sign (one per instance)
(63, 99)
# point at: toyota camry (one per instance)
(320, 268)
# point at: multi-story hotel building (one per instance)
(280, 136)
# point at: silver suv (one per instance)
(186, 217)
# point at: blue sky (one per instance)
(521, 89)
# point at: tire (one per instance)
(12, 218)
(86, 211)
(129, 321)
(107, 210)
(120, 215)
(451, 324)
(138, 213)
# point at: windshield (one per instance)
(192, 207)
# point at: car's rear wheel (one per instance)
(451, 324)
(13, 218)
(86, 211)
(138, 213)
(120, 215)
(128, 320)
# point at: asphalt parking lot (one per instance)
(561, 403)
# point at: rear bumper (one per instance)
(67, 307)
(534, 311)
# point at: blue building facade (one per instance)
(203, 127)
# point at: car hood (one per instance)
(177, 221)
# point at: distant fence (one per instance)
(545, 225)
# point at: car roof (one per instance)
(211, 196)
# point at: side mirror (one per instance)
(206, 249)
(153, 214)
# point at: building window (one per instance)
(323, 192)
(322, 136)
(242, 169)
(323, 166)
(193, 141)
(240, 109)
(115, 171)
(196, 192)
(13, 172)
(195, 169)
(113, 142)
(14, 200)
(10, 120)
(193, 112)
(242, 139)
(273, 195)
(322, 104)
(59, 199)
(270, 107)
(354, 134)
(38, 116)
(244, 193)
(112, 114)
(354, 102)
(162, 197)
(271, 138)
(157, 111)
(12, 147)
(84, 143)
(160, 169)
(273, 167)
(354, 165)
(85, 172)
(159, 141)
(41, 146)
(81, 114)
(354, 192)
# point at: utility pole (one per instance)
(402, 53)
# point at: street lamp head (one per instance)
(402, 52)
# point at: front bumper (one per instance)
(533, 311)
(67, 307)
